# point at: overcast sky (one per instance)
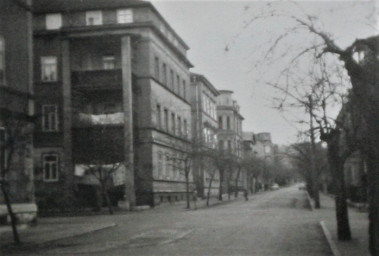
(207, 27)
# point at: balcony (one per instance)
(82, 120)
(97, 79)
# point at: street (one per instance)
(270, 223)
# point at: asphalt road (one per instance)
(272, 223)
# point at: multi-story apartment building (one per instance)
(110, 69)
(204, 130)
(230, 127)
(229, 123)
(16, 108)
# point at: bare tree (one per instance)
(16, 134)
(99, 149)
(182, 160)
(363, 76)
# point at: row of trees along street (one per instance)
(318, 74)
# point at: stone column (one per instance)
(127, 95)
(68, 170)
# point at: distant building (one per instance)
(263, 147)
(230, 128)
(204, 129)
(112, 66)
(16, 107)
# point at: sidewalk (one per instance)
(358, 225)
(50, 229)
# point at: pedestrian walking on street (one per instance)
(245, 194)
(194, 194)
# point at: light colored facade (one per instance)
(204, 129)
(230, 128)
(16, 109)
(120, 65)
(229, 123)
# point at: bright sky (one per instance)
(207, 27)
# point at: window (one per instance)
(124, 16)
(178, 84)
(165, 113)
(49, 118)
(220, 122)
(184, 89)
(179, 126)
(49, 68)
(94, 18)
(172, 79)
(173, 123)
(2, 60)
(168, 167)
(160, 165)
(53, 21)
(164, 74)
(185, 128)
(158, 116)
(108, 62)
(156, 68)
(50, 167)
(228, 122)
(174, 166)
(229, 146)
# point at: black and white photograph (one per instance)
(189, 127)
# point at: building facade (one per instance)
(106, 70)
(203, 97)
(230, 129)
(16, 109)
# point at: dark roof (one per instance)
(49, 6)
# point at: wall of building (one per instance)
(17, 106)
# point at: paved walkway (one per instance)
(358, 224)
(59, 228)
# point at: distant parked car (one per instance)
(275, 186)
(302, 186)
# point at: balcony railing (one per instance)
(97, 79)
(89, 120)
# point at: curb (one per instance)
(112, 225)
(43, 243)
(332, 244)
(309, 200)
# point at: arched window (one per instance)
(2, 59)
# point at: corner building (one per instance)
(112, 66)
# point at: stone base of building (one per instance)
(25, 213)
(169, 197)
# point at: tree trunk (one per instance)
(107, 200)
(373, 200)
(236, 183)
(316, 190)
(337, 170)
(220, 185)
(16, 237)
(187, 191)
(209, 188)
